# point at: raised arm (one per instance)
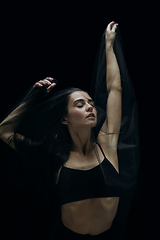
(113, 83)
(9, 125)
(111, 127)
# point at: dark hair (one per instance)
(59, 136)
(46, 138)
(43, 129)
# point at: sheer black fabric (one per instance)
(30, 173)
(128, 143)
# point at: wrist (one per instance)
(109, 46)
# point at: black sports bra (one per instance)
(97, 182)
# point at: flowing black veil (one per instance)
(128, 143)
(30, 176)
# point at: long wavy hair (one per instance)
(43, 131)
(46, 137)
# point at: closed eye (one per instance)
(79, 105)
(80, 102)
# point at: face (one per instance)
(81, 110)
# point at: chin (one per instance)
(93, 123)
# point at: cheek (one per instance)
(76, 115)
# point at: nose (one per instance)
(89, 108)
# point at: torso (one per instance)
(90, 216)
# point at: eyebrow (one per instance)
(82, 100)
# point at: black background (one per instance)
(61, 40)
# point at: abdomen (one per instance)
(90, 216)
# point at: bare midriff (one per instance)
(90, 216)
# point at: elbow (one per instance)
(119, 89)
(115, 88)
(114, 83)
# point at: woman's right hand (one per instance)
(47, 82)
(111, 33)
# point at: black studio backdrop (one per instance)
(63, 44)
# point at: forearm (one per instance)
(38, 93)
(9, 125)
(113, 80)
(14, 118)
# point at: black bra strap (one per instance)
(101, 149)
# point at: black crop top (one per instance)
(97, 182)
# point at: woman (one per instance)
(73, 136)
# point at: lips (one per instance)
(91, 115)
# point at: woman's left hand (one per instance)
(47, 83)
(111, 33)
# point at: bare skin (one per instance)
(89, 216)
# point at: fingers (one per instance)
(112, 26)
(52, 85)
(42, 83)
(47, 82)
(37, 85)
(49, 78)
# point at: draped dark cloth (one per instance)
(28, 176)
(128, 143)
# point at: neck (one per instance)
(81, 140)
